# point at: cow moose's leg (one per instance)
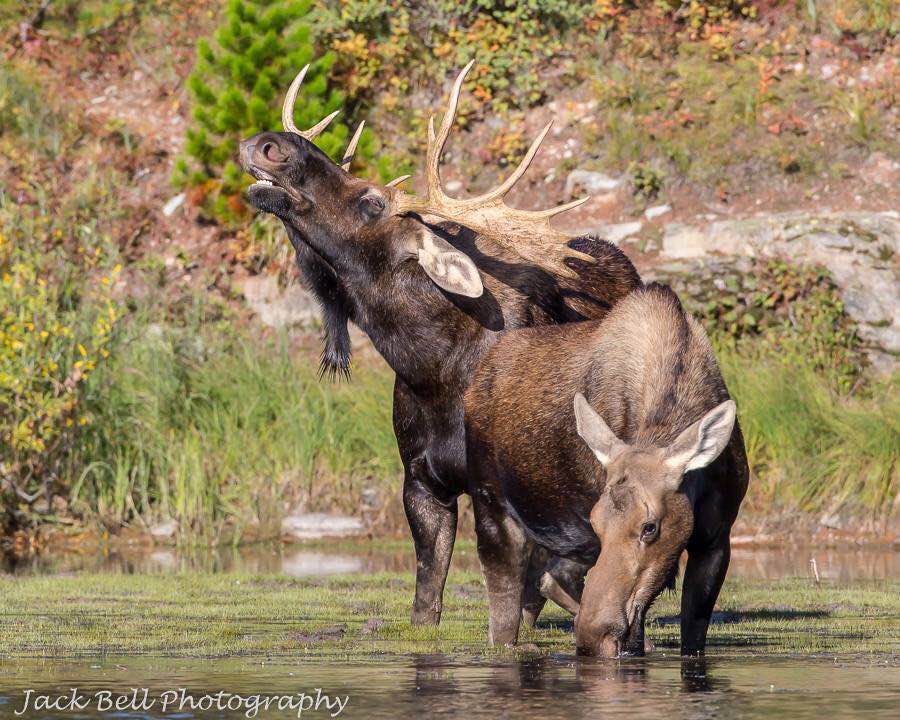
(503, 551)
(433, 525)
(552, 590)
(533, 598)
(551, 578)
(703, 578)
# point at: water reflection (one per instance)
(542, 688)
(844, 565)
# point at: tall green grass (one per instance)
(220, 433)
(224, 432)
(809, 447)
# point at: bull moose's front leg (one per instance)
(703, 578)
(433, 525)
(502, 549)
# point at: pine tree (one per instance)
(237, 86)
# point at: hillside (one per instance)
(746, 152)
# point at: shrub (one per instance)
(509, 40)
(238, 85)
(56, 325)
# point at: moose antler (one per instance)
(287, 120)
(287, 111)
(525, 232)
(351, 147)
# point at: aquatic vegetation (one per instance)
(357, 617)
(809, 447)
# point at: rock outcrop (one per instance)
(859, 251)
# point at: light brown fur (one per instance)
(649, 371)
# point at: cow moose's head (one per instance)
(643, 520)
(362, 229)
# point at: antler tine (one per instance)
(397, 180)
(351, 148)
(550, 212)
(287, 111)
(527, 233)
(436, 144)
(501, 190)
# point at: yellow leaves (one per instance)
(48, 348)
(356, 46)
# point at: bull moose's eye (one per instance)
(649, 531)
(372, 205)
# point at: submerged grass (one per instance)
(356, 617)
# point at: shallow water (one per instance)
(726, 684)
(437, 686)
(844, 565)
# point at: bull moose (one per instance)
(647, 462)
(434, 282)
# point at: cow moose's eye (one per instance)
(649, 532)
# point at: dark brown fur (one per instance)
(360, 261)
(649, 371)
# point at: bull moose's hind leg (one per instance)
(433, 525)
(703, 578)
(503, 551)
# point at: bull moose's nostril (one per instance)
(271, 152)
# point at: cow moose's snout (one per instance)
(600, 638)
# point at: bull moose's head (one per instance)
(643, 521)
(365, 231)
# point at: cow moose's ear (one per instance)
(595, 432)
(450, 269)
(702, 442)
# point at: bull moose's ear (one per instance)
(703, 441)
(450, 269)
(595, 432)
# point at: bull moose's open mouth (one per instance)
(262, 178)
(265, 181)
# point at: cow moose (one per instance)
(434, 281)
(648, 462)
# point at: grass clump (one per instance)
(356, 617)
(810, 447)
(222, 432)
